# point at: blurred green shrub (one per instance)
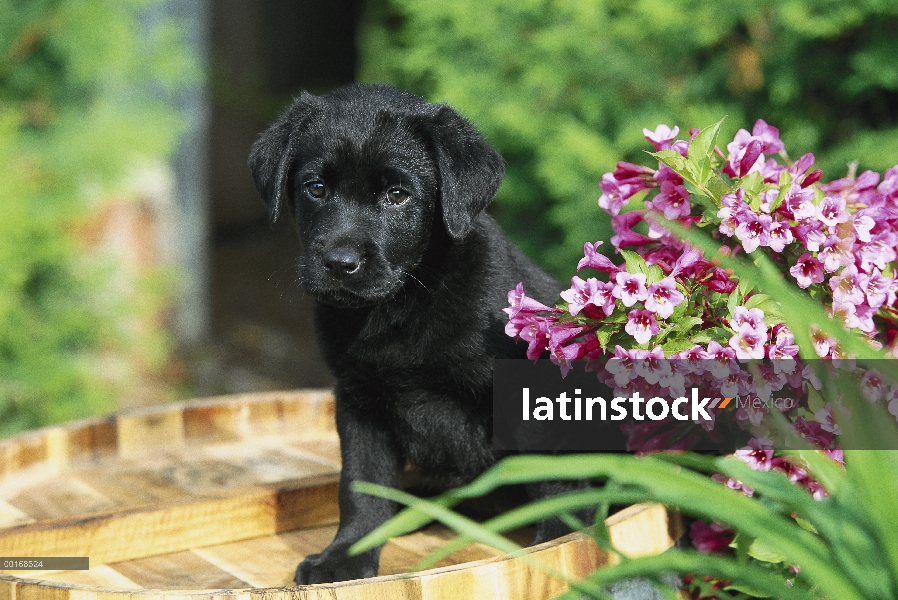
(84, 88)
(563, 88)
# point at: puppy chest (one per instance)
(445, 437)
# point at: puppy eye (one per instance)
(396, 195)
(316, 189)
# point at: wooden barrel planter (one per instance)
(221, 498)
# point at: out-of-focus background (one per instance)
(136, 263)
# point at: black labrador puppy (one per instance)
(410, 277)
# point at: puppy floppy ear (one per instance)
(470, 170)
(271, 156)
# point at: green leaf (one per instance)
(703, 144)
(677, 345)
(635, 263)
(752, 592)
(753, 182)
(805, 524)
(764, 552)
(653, 274)
(718, 188)
(672, 159)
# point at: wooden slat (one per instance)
(261, 562)
(643, 529)
(148, 531)
(502, 578)
(11, 516)
(142, 432)
(177, 571)
(60, 497)
(102, 576)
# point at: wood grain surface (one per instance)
(221, 498)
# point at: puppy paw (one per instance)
(329, 567)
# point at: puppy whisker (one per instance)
(415, 278)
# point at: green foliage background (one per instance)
(85, 90)
(563, 88)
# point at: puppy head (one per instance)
(367, 172)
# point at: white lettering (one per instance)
(699, 407)
(590, 402)
(650, 413)
(544, 412)
(675, 410)
(563, 401)
(526, 404)
(616, 407)
(635, 399)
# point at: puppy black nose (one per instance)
(341, 262)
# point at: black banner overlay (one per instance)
(705, 405)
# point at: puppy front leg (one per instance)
(368, 454)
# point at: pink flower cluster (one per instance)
(661, 318)
(666, 301)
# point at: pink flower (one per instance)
(889, 185)
(719, 281)
(561, 353)
(878, 252)
(863, 223)
(848, 286)
(818, 492)
(710, 537)
(878, 288)
(627, 170)
(753, 230)
(652, 366)
(822, 344)
(832, 211)
(751, 413)
(779, 236)
(798, 204)
(663, 296)
(590, 296)
(691, 361)
(522, 311)
(537, 335)
(745, 155)
(630, 288)
(769, 137)
(813, 432)
(783, 352)
(767, 381)
(734, 484)
(641, 324)
(734, 210)
(810, 232)
(827, 423)
(758, 454)
(836, 253)
(673, 201)
(807, 270)
(593, 259)
(795, 473)
(748, 343)
(753, 317)
(873, 385)
(721, 360)
(615, 194)
(661, 137)
(623, 230)
(620, 366)
(835, 454)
